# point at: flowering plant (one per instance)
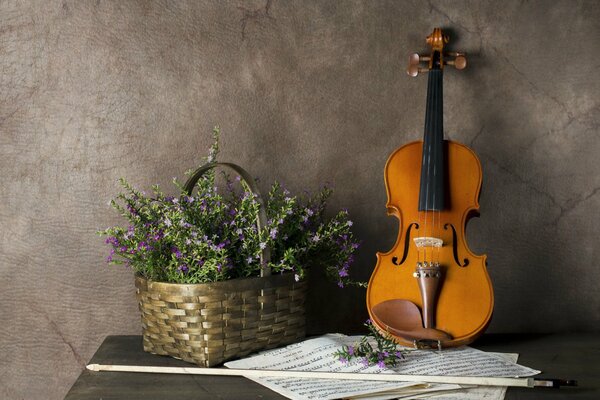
(373, 348)
(211, 236)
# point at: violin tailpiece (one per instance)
(428, 276)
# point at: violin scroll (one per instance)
(437, 57)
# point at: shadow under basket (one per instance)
(207, 324)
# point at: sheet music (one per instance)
(462, 361)
(466, 393)
(317, 355)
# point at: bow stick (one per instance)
(459, 380)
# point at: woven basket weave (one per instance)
(210, 323)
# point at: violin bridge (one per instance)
(427, 241)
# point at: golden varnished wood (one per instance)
(466, 299)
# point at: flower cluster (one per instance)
(385, 354)
(212, 235)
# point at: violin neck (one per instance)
(432, 184)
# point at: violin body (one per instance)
(430, 290)
(466, 300)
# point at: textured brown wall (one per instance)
(305, 92)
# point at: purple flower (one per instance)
(262, 245)
(350, 223)
(112, 240)
(273, 233)
(365, 361)
(159, 235)
(183, 268)
(249, 260)
(343, 272)
(111, 253)
(341, 284)
(399, 354)
(168, 222)
(176, 251)
(344, 360)
(381, 364)
(221, 245)
(351, 350)
(130, 230)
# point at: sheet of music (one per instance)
(317, 355)
(463, 393)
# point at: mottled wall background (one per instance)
(305, 92)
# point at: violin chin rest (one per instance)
(402, 318)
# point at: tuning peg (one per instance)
(415, 59)
(414, 70)
(413, 64)
(460, 60)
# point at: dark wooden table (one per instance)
(566, 356)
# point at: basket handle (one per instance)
(261, 219)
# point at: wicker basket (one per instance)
(210, 323)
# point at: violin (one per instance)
(430, 290)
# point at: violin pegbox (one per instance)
(437, 59)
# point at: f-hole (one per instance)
(455, 247)
(406, 244)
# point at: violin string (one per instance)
(439, 126)
(439, 235)
(427, 142)
(441, 113)
(433, 131)
(420, 230)
(439, 121)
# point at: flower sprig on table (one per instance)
(212, 236)
(386, 352)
